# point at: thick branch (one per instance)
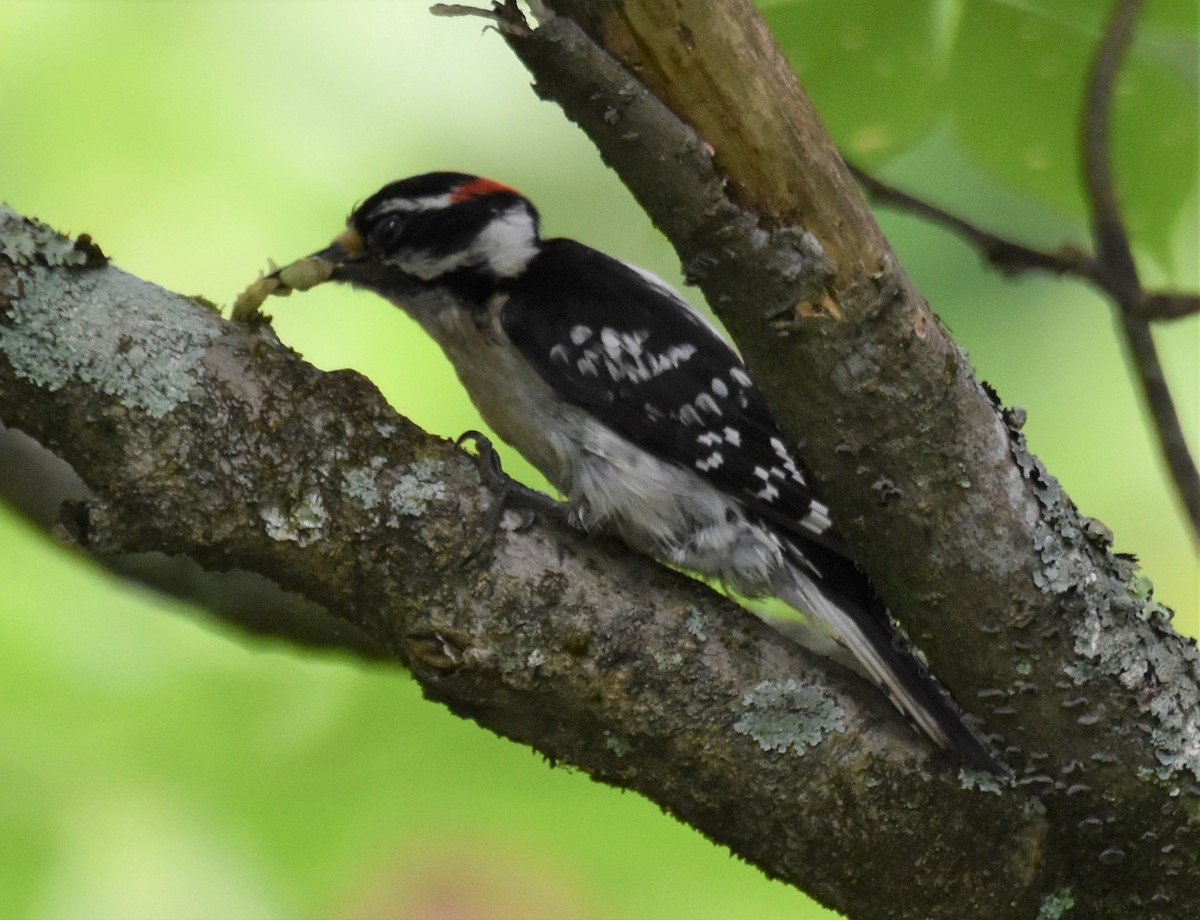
(201, 438)
(967, 535)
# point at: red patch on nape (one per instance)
(478, 187)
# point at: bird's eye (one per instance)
(386, 231)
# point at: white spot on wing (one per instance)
(670, 359)
(706, 403)
(788, 463)
(610, 341)
(817, 520)
(768, 493)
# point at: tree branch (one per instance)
(1011, 257)
(738, 174)
(1007, 256)
(1115, 259)
(195, 437)
(1113, 251)
(1170, 304)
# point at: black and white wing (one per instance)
(656, 372)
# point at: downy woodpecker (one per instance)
(628, 401)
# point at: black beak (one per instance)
(348, 247)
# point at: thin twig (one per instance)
(505, 17)
(1169, 304)
(1111, 268)
(1114, 257)
(1011, 257)
(1113, 252)
(1007, 256)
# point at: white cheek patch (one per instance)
(506, 245)
(503, 247)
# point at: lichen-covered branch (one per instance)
(187, 436)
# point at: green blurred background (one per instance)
(155, 766)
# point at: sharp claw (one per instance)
(509, 492)
(491, 471)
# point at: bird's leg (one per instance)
(510, 494)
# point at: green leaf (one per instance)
(1009, 80)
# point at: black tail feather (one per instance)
(834, 590)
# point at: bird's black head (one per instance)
(438, 233)
(441, 224)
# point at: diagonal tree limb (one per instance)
(739, 175)
(206, 439)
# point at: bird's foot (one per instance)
(511, 495)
